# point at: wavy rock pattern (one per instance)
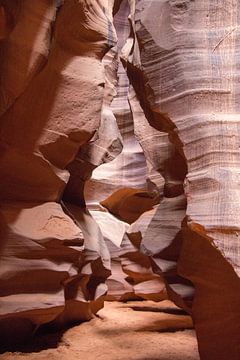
(185, 56)
(120, 187)
(47, 275)
(55, 253)
(119, 162)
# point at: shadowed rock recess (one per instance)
(120, 163)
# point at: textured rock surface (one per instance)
(119, 161)
(46, 274)
(57, 126)
(120, 187)
(185, 59)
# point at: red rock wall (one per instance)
(119, 161)
(59, 66)
(51, 100)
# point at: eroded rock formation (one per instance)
(183, 68)
(44, 122)
(119, 162)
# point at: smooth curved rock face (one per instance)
(119, 161)
(54, 108)
(58, 124)
(26, 30)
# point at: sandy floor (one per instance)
(123, 331)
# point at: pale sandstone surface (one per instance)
(134, 330)
(162, 239)
(183, 67)
(120, 186)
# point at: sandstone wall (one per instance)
(119, 162)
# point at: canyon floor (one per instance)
(136, 330)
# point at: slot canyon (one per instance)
(119, 180)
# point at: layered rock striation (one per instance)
(47, 115)
(119, 162)
(183, 67)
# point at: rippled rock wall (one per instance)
(119, 162)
